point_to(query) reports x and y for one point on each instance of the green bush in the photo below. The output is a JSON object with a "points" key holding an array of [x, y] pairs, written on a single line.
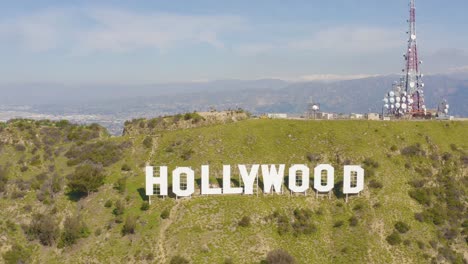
{"points": [[338, 223], [3, 179], [245, 221], [145, 206], [402, 227], [279, 256], [422, 196], [119, 208], [126, 167], [44, 228], [121, 185], [86, 178], [148, 142], [179, 260], [129, 225], [394, 239], [108, 204], [165, 214], [353, 221], [74, 228], [17, 255]]}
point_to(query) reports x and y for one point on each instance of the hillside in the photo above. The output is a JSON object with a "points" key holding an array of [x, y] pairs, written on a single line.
{"points": [[73, 194]]}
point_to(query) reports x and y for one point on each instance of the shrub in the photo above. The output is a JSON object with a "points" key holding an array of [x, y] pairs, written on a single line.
{"points": [[44, 228], [179, 260], [402, 227], [145, 206], [108, 204], [3, 179], [375, 184], [105, 153], [279, 256], [16, 255], [129, 225], [187, 154], [126, 167], [413, 150], [338, 224], [303, 222], [422, 196], [119, 208], [121, 184], [148, 142], [369, 162], [86, 178], [393, 148], [245, 221], [165, 214], [353, 221], [313, 157], [20, 147], [394, 239], [73, 229]]}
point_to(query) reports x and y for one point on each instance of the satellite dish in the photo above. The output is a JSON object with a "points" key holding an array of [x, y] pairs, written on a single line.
{"points": [[403, 99], [398, 99], [386, 106], [391, 94], [397, 105], [392, 106], [385, 100], [424, 107], [412, 84], [413, 37], [422, 84], [404, 106], [447, 106], [446, 111], [392, 100]]}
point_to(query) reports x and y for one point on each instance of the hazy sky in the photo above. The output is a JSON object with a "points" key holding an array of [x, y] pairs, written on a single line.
{"points": [[142, 41]]}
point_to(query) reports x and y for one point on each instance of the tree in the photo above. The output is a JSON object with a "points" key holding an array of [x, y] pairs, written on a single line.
{"points": [[279, 256], [86, 178]]}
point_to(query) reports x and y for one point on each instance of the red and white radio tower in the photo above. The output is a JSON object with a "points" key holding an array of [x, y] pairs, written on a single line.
{"points": [[407, 96]]}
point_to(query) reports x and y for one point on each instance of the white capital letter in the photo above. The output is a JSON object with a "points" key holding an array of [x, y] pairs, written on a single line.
{"points": [[205, 182], [272, 177], [249, 177], [227, 189], [318, 177], [151, 180], [347, 188], [305, 178], [176, 188]]}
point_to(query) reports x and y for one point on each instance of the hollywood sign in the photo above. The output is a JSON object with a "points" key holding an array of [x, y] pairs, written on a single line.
{"points": [[183, 179]]}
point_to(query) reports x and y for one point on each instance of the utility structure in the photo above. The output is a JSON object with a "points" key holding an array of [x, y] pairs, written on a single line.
{"points": [[406, 99]]}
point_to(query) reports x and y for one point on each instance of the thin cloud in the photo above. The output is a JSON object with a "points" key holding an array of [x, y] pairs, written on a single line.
{"points": [[350, 39], [85, 31]]}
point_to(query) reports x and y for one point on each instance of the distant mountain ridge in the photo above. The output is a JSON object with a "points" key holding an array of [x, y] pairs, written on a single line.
{"points": [[257, 96]]}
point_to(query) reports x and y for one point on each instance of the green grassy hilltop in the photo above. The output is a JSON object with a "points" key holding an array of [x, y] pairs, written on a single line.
{"points": [[74, 194]]}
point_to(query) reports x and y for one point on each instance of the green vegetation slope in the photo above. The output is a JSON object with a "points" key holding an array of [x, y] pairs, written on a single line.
{"points": [[72, 194]]}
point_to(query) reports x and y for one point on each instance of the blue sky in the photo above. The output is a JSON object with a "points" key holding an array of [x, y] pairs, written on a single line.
{"points": [[143, 41]]}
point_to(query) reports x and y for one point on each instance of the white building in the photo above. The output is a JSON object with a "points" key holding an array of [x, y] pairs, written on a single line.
{"points": [[277, 116]]}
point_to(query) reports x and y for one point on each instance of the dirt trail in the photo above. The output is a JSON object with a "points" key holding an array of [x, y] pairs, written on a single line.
{"points": [[153, 150], [162, 255]]}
